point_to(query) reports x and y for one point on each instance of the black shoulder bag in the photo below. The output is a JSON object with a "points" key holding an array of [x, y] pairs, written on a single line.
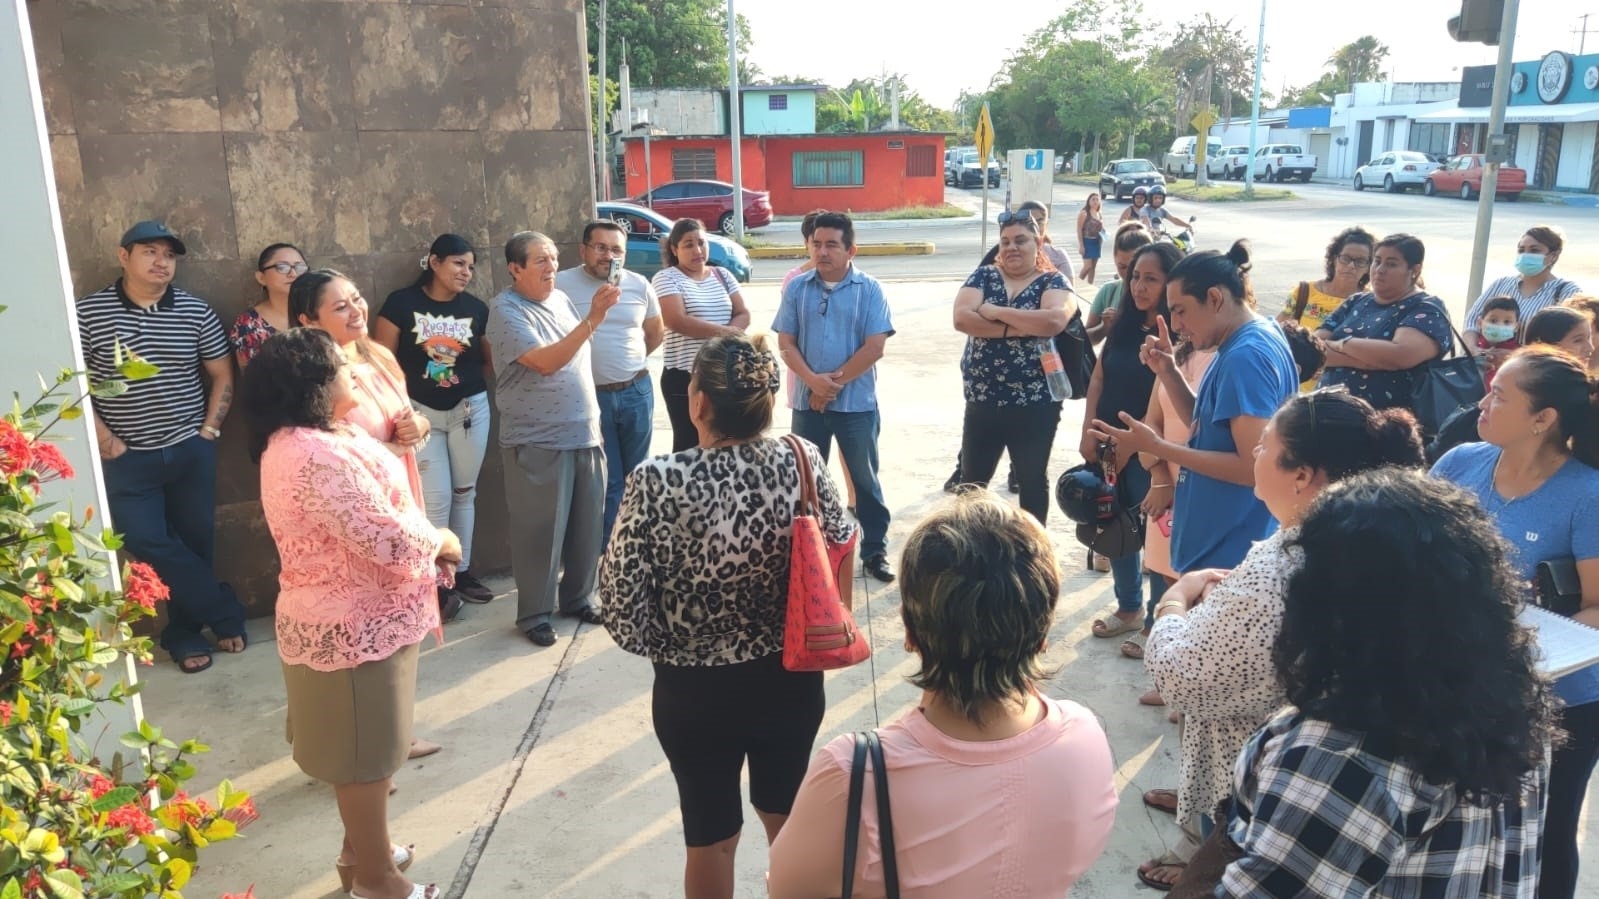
{"points": [[867, 742], [1442, 386], [1076, 354]]}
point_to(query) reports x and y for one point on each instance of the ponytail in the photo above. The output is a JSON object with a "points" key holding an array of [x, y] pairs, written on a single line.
{"points": [[1554, 379], [1341, 435], [1201, 271]]}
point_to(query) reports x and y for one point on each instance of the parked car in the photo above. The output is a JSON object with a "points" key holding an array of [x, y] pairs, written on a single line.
{"points": [[1121, 176], [1462, 176], [1228, 163], [967, 171], [646, 227], [1279, 162], [1179, 160], [1396, 171], [709, 201]]}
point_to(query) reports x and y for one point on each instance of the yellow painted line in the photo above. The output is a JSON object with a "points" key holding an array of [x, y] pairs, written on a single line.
{"points": [[903, 248]]}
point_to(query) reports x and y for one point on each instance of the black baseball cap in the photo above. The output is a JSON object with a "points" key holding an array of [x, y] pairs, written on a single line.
{"points": [[150, 232]]}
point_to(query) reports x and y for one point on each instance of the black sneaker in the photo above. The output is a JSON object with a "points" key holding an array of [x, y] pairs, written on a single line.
{"points": [[449, 605], [472, 589], [542, 634], [878, 566]]}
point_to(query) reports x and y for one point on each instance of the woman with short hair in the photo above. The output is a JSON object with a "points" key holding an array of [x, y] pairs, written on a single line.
{"points": [[435, 330], [1346, 268], [1413, 758], [1537, 474], [985, 752], [695, 578], [1377, 342], [355, 598], [699, 301]]}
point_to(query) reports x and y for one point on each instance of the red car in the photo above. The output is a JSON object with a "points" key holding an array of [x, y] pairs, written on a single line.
{"points": [[1462, 177], [709, 201]]}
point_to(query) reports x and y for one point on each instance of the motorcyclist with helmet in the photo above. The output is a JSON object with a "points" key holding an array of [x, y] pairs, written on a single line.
{"points": [[1135, 212], [1156, 215]]}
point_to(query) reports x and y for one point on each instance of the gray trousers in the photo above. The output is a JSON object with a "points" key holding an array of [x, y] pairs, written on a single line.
{"points": [[556, 500]]}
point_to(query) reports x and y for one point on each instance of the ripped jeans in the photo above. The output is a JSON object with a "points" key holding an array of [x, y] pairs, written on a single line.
{"points": [[449, 466]]}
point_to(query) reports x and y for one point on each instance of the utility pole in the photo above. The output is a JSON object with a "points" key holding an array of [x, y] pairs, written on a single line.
{"points": [[1254, 108], [604, 184], [1496, 135], [734, 107], [1582, 39]]}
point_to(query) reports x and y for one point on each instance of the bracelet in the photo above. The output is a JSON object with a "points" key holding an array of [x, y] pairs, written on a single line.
{"points": [[1164, 604], [1006, 332], [214, 432], [1153, 486], [591, 327]]}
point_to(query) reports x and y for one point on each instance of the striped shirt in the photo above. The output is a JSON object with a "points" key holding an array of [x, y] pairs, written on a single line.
{"points": [[710, 299], [1553, 291], [177, 335]]}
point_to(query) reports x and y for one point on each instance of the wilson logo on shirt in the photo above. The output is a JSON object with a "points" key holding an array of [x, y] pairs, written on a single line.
{"points": [[1532, 536]]}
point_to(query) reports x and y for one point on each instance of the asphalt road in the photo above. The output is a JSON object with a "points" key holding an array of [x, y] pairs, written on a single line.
{"points": [[1289, 236]]}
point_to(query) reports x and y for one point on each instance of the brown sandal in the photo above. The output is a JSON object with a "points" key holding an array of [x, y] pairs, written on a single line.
{"points": [[1161, 800]]}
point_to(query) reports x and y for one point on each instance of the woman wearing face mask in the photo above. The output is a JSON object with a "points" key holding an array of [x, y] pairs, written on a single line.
{"points": [[1534, 285]]}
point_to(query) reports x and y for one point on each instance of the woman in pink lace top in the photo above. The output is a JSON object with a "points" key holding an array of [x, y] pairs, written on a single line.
{"points": [[356, 593]]}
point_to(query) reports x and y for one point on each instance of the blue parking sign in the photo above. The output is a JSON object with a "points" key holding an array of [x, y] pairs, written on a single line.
{"points": [[1034, 161]]}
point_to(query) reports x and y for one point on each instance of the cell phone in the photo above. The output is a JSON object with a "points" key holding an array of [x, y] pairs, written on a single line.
{"points": [[615, 274], [1163, 521]]}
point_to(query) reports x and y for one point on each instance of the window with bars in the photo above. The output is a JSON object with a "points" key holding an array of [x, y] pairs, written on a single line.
{"points": [[777, 102], [836, 168], [922, 162], [693, 164]]}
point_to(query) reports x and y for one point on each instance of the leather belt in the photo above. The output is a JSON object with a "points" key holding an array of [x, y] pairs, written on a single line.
{"points": [[621, 385]]}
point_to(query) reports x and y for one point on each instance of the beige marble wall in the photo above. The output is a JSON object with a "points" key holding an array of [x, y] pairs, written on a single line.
{"points": [[357, 130]]}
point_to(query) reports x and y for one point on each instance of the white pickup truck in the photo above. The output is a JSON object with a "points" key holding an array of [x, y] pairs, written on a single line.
{"points": [[1279, 162]]}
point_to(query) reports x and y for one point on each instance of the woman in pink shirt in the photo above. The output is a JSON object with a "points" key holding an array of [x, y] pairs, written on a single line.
{"points": [[355, 599], [996, 790]]}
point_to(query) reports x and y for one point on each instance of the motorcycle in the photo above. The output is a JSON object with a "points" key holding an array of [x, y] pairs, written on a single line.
{"points": [[1183, 240]]}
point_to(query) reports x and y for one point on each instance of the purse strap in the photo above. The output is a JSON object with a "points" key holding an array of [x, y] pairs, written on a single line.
{"points": [[867, 742], [885, 821], [852, 818], [808, 504]]}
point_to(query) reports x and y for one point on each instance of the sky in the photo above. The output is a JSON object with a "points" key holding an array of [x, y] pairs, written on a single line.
{"points": [[943, 47]]}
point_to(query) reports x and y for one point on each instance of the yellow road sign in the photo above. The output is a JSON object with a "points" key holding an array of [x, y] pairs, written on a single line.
{"points": [[985, 135], [1202, 124]]}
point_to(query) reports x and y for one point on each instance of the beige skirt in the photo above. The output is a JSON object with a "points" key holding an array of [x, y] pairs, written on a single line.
{"points": [[352, 725]]}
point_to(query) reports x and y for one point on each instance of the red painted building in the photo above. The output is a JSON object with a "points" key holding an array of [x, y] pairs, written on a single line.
{"points": [[855, 172]]}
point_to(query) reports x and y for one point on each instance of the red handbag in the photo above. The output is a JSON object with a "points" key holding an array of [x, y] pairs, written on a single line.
{"points": [[819, 633]]}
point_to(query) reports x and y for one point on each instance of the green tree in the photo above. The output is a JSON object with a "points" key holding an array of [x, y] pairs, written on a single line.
{"points": [[1213, 65], [1359, 60], [670, 43]]}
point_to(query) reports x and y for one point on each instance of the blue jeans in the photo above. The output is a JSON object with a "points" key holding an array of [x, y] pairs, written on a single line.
{"points": [[856, 433], [626, 418], [1127, 572], [164, 503]]}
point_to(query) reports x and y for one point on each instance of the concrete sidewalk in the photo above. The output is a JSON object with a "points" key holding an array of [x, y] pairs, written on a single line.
{"points": [[551, 782]]}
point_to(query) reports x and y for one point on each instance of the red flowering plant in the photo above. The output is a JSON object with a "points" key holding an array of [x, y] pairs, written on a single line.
{"points": [[74, 825]]}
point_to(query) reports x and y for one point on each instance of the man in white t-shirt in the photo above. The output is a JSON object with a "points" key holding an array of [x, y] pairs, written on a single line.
{"points": [[630, 332]]}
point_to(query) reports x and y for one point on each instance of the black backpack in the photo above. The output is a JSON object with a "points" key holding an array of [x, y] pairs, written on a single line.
{"points": [[1076, 354]]}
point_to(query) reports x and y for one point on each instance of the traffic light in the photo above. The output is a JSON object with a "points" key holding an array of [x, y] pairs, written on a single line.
{"points": [[1478, 21]]}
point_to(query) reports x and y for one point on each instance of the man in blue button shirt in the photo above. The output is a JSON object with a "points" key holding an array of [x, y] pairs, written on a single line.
{"points": [[832, 326]]}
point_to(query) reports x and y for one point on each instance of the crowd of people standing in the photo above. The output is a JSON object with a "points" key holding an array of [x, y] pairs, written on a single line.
{"points": [[1327, 734]]}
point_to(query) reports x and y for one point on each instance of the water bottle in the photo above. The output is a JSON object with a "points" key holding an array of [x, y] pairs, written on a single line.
{"points": [[1060, 387]]}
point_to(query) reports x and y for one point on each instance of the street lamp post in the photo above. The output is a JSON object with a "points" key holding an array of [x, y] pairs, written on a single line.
{"points": [[1254, 107], [1497, 145], [735, 107]]}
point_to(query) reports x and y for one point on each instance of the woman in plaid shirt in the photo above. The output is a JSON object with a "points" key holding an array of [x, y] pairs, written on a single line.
{"points": [[1414, 759]]}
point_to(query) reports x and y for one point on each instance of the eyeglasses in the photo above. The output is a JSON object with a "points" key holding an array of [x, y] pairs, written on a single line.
{"points": [[607, 249], [1354, 261], [288, 268], [827, 297]]}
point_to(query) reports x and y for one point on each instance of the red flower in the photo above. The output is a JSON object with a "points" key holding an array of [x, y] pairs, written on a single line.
{"points": [[132, 819], [242, 814], [16, 451], [100, 785], [6, 711], [49, 462], [144, 586], [20, 649], [247, 894]]}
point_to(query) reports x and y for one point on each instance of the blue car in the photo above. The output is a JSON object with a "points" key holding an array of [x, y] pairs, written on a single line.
{"points": [[645, 227]]}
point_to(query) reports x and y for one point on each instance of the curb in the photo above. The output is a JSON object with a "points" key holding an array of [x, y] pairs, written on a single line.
{"points": [[902, 248]]}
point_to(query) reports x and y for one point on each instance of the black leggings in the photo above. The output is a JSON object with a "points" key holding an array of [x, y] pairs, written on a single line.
{"points": [[674, 391], [1568, 785], [1028, 432], [710, 719]]}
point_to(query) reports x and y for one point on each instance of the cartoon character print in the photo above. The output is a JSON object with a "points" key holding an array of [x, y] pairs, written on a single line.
{"points": [[443, 338]]}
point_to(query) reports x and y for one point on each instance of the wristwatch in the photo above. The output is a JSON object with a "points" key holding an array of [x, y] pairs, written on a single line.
{"points": [[215, 433]]}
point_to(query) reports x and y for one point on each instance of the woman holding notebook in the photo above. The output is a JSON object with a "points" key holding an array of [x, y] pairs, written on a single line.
{"points": [[1537, 474]]}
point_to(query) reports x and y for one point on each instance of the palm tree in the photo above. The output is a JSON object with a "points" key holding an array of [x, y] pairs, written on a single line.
{"points": [[1359, 61], [1140, 100]]}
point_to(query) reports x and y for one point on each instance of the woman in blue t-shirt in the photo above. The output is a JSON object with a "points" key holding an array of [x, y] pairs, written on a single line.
{"points": [[1215, 515], [1123, 384], [1537, 474]]}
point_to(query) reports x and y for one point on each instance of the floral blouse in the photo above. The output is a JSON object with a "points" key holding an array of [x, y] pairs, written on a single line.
{"points": [[359, 556], [1214, 665], [1361, 316], [1006, 371], [696, 571], [249, 331]]}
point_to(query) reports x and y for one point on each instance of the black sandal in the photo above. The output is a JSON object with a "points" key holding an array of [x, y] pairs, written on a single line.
{"points": [[186, 669]]}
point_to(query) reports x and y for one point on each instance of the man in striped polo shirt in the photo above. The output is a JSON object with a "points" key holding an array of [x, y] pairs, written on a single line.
{"points": [[157, 440]]}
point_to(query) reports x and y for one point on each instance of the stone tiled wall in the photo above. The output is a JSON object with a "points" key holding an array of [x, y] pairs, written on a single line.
{"points": [[356, 130]]}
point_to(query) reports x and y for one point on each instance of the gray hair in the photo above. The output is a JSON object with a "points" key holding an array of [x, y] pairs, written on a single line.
{"points": [[516, 247]]}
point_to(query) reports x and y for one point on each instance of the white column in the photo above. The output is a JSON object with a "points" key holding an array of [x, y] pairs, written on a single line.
{"points": [[42, 311]]}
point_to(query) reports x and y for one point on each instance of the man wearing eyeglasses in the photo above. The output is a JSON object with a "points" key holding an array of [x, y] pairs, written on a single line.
{"points": [[832, 325], [630, 332], [157, 438]]}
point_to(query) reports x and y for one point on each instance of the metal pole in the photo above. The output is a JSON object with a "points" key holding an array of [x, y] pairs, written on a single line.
{"points": [[1254, 106], [649, 169], [605, 174], [1490, 173], [735, 106]]}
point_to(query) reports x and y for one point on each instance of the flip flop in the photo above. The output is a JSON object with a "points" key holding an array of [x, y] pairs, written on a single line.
{"points": [[1106, 628], [1132, 650], [1165, 860], [1161, 800], [195, 669], [1151, 698]]}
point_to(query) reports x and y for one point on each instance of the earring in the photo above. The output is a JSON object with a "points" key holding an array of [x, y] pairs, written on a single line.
{"points": [[1296, 490], [1537, 432]]}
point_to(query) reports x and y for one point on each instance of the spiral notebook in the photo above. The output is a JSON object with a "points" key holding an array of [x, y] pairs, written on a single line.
{"points": [[1564, 645]]}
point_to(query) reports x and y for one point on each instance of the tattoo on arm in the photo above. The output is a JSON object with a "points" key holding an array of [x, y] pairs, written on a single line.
{"points": [[224, 402]]}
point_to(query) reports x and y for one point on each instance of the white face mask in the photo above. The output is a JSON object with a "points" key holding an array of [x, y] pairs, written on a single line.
{"points": [[1498, 333]]}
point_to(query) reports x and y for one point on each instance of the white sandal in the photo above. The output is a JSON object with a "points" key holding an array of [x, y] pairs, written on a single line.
{"points": [[418, 891], [403, 857]]}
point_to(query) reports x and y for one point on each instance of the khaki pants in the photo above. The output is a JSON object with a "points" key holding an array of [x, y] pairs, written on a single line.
{"points": [[556, 500]]}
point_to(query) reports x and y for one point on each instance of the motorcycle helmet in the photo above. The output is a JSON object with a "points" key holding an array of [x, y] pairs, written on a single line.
{"points": [[1158, 190], [1084, 495], [1140, 191]]}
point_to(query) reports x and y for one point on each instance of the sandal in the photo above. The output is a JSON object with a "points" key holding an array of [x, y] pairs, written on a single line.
{"points": [[418, 891], [1151, 698], [1105, 628], [1146, 871], [1161, 800], [186, 668], [243, 644], [1132, 650], [403, 857]]}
